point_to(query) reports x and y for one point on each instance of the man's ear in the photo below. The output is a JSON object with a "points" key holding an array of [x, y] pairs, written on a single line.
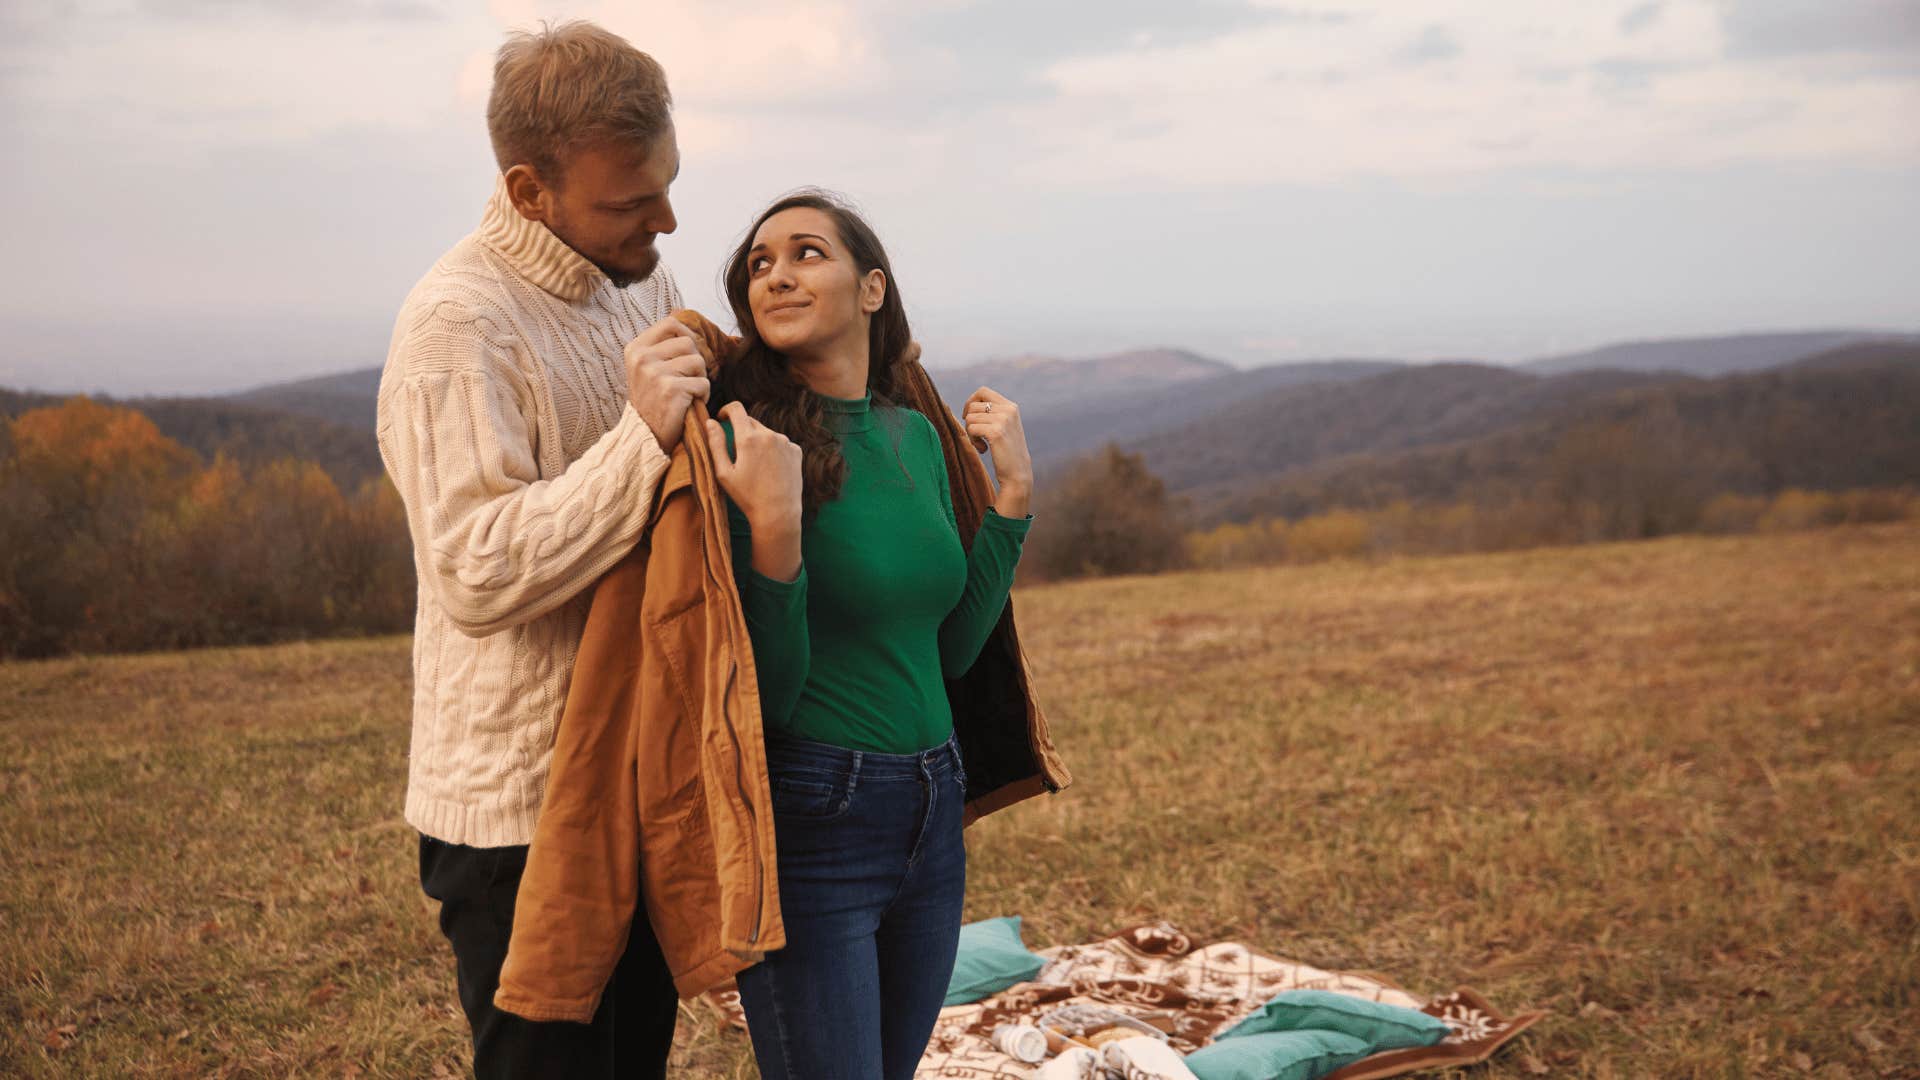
{"points": [[529, 194], [873, 290]]}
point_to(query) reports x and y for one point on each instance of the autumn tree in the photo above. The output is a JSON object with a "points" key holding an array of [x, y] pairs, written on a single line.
{"points": [[80, 484], [1106, 514]]}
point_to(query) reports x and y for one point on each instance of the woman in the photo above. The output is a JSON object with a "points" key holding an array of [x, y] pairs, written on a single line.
{"points": [[860, 602]]}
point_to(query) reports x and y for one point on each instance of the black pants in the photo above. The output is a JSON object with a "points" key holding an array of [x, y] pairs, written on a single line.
{"points": [[630, 1033]]}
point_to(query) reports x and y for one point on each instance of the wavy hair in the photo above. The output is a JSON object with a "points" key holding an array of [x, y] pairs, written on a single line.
{"points": [[763, 380]]}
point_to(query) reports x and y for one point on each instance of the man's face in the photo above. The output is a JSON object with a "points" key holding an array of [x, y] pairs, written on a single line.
{"points": [[611, 202]]}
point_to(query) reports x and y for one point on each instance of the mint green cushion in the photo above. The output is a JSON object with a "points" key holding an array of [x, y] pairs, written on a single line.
{"points": [[1379, 1025], [1276, 1055], [991, 958]]}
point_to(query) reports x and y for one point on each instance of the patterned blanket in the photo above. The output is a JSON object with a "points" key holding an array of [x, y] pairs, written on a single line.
{"points": [[1155, 973]]}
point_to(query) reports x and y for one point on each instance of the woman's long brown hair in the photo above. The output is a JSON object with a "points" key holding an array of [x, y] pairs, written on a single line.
{"points": [[761, 378]]}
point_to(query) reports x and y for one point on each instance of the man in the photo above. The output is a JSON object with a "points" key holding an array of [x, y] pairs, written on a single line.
{"points": [[533, 392]]}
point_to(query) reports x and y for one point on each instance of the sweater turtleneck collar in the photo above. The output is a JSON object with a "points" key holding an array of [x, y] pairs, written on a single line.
{"points": [[532, 249], [846, 415]]}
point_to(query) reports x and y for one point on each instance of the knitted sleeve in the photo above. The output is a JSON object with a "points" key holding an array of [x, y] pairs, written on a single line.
{"points": [[496, 543]]}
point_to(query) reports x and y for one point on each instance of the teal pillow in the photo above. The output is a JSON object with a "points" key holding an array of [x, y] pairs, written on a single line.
{"points": [[1276, 1055], [991, 958], [1379, 1025]]}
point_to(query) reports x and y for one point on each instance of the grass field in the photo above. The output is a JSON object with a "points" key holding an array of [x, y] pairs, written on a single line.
{"points": [[1668, 790]]}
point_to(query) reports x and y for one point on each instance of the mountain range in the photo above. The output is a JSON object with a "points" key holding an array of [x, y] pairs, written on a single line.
{"points": [[1287, 438]]}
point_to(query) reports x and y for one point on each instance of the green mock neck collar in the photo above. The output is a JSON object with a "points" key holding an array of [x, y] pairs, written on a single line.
{"points": [[846, 415]]}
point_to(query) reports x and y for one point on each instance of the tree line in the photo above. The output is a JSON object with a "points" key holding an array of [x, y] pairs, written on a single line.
{"points": [[114, 537]]}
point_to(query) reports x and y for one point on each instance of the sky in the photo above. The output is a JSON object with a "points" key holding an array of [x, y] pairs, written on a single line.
{"points": [[207, 195]]}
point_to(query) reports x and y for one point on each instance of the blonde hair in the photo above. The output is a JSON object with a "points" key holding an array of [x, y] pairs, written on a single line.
{"points": [[571, 85]]}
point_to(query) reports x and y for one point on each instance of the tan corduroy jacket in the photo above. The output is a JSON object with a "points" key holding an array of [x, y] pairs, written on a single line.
{"points": [[658, 791]]}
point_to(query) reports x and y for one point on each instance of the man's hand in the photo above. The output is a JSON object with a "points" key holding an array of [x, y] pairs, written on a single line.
{"points": [[665, 373]]}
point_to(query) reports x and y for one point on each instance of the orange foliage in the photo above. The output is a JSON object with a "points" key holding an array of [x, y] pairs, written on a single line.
{"points": [[99, 444]]}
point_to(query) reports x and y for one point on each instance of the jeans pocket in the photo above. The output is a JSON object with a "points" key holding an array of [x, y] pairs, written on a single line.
{"points": [[809, 798]]}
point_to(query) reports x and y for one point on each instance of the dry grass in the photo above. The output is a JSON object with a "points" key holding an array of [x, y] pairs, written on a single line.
{"points": [[1669, 790]]}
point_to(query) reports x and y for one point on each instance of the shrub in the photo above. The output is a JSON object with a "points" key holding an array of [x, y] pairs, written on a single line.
{"points": [[1107, 514]]}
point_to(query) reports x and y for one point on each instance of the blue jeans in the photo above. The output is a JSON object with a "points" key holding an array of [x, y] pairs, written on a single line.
{"points": [[873, 878]]}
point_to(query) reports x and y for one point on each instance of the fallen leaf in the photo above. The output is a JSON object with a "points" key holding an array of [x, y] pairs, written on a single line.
{"points": [[366, 886], [1868, 1041], [1534, 1065], [59, 1037], [1799, 1060], [322, 994]]}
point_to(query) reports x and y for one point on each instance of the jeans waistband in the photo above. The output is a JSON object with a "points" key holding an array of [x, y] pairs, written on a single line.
{"points": [[795, 752]]}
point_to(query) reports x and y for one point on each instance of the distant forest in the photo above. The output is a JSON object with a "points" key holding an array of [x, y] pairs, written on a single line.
{"points": [[249, 434], [166, 523]]}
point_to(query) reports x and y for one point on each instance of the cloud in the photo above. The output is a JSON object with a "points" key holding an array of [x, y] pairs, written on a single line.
{"points": [[1639, 18], [218, 154], [1434, 42], [299, 11], [184, 77], [1565, 88], [735, 55], [1777, 28]]}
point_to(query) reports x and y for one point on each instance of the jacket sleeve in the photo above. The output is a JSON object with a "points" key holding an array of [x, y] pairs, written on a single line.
{"points": [[776, 613], [497, 544], [580, 885], [990, 565]]}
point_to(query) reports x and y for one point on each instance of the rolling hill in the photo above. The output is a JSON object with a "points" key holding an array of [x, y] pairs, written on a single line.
{"points": [[1842, 419], [1290, 438], [346, 398], [1708, 356]]}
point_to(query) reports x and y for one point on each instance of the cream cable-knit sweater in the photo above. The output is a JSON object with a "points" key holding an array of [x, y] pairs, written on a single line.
{"points": [[504, 422]]}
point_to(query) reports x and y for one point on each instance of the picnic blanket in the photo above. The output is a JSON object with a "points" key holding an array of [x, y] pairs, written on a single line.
{"points": [[1157, 974]]}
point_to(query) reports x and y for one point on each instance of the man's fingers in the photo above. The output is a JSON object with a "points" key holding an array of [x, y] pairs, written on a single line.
{"points": [[696, 387], [668, 327], [687, 364], [674, 350]]}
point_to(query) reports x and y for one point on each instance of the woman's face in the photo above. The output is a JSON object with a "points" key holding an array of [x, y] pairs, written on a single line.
{"points": [[806, 294]]}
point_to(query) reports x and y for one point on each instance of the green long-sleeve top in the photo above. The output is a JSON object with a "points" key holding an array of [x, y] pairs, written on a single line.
{"points": [[888, 604]]}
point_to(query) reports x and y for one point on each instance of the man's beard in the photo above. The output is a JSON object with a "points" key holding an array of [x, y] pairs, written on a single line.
{"points": [[621, 278]]}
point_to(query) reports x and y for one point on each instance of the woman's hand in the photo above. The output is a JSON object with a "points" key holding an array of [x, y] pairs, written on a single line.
{"points": [[763, 480], [993, 423]]}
